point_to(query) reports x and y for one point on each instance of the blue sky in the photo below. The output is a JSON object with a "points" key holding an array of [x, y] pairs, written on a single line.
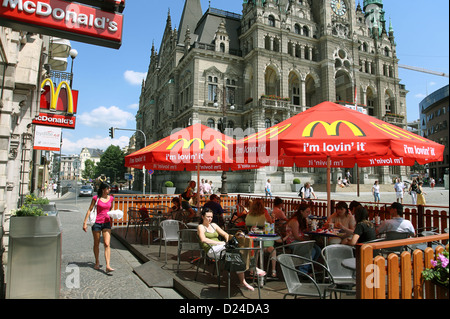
{"points": [[110, 80]]}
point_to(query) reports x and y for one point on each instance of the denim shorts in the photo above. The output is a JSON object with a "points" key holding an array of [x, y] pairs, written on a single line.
{"points": [[100, 227]]}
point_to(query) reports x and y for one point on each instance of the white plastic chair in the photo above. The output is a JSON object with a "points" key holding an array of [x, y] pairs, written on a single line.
{"points": [[169, 233]]}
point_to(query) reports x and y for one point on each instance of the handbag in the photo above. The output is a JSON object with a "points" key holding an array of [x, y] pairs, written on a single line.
{"points": [[233, 261], [93, 215]]}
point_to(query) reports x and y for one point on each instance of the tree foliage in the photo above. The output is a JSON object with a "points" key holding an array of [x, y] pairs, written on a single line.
{"points": [[89, 170], [112, 164]]}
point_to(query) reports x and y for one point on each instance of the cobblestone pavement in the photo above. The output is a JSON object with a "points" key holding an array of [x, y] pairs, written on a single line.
{"points": [[79, 280]]}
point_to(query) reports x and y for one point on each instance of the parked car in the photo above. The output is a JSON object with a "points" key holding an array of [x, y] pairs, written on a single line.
{"points": [[86, 190]]}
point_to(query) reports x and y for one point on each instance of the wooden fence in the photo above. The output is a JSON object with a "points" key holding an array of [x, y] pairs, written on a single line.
{"points": [[397, 277]]}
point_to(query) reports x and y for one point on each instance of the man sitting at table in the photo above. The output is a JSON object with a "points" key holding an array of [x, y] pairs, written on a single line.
{"points": [[397, 223], [214, 205]]}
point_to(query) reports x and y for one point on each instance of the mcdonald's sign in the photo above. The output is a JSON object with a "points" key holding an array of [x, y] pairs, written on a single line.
{"points": [[58, 105], [332, 129], [187, 143]]}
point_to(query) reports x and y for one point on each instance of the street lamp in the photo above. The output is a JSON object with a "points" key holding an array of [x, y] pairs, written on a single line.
{"points": [[73, 54], [222, 128]]}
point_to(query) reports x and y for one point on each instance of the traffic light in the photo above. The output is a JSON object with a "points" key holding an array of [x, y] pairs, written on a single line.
{"points": [[111, 132]]}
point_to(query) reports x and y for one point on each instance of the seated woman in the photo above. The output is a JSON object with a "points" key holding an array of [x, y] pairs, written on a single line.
{"points": [[176, 211], [208, 233], [280, 216], [342, 220], [238, 218], [364, 230], [296, 228], [258, 216]]}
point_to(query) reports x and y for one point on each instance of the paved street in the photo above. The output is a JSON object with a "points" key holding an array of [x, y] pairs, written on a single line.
{"points": [[79, 280]]}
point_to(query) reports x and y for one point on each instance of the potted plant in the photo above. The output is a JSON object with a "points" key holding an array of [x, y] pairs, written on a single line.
{"points": [[296, 185], [438, 273], [169, 188], [34, 239]]}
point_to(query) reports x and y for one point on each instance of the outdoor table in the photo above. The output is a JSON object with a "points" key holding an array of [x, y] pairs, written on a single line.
{"points": [[262, 238], [192, 225], [327, 234]]}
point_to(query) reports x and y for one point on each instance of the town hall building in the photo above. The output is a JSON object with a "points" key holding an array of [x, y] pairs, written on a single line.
{"points": [[257, 68]]}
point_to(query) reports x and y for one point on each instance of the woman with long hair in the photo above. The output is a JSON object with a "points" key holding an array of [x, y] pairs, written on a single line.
{"points": [[258, 216], [208, 233], [102, 224], [364, 229]]}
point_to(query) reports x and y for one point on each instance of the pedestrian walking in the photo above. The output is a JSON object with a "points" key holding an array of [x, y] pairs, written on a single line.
{"points": [[268, 189], [413, 191], [102, 226], [376, 192], [399, 188], [55, 187], [420, 195]]}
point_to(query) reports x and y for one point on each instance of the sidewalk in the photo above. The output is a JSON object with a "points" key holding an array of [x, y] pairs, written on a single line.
{"points": [[79, 280]]}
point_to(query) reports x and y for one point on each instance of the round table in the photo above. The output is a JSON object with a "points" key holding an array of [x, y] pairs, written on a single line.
{"points": [[261, 239], [349, 263]]}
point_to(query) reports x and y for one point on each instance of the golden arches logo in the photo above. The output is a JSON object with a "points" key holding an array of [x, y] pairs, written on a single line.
{"points": [[187, 143], [270, 133], [151, 147], [332, 129], [224, 143], [397, 132], [54, 95]]}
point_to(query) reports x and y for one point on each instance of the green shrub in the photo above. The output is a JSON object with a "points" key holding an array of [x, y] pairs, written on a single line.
{"points": [[28, 211], [296, 181], [168, 184]]}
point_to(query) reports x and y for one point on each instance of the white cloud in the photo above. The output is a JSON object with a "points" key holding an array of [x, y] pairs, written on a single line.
{"points": [[420, 96], [74, 147], [133, 106], [106, 117], [432, 83], [134, 78]]}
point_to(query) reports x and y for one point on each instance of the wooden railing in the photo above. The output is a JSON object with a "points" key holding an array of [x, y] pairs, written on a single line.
{"points": [[397, 277]]}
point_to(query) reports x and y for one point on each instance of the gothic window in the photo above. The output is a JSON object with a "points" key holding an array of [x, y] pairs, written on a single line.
{"points": [[267, 123], [305, 31], [222, 47], [212, 88], [276, 45], [271, 21], [365, 47], [211, 123], [298, 51], [267, 43], [386, 51], [290, 49], [297, 29]]}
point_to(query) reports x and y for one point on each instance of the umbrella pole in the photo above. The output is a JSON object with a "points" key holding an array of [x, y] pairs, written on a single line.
{"points": [[328, 186], [198, 188], [357, 177]]}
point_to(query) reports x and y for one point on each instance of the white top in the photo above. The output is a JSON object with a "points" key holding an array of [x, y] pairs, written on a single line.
{"points": [[307, 192], [268, 186], [376, 188], [399, 187], [397, 224]]}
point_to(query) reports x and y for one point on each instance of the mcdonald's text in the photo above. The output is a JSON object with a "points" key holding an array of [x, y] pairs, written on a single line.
{"points": [[55, 120]]}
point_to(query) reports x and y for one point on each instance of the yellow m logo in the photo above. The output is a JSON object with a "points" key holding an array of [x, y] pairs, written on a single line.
{"points": [[332, 129], [187, 144], [54, 95], [397, 132], [269, 133]]}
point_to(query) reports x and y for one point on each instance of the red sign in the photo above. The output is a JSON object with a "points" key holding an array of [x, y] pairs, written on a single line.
{"points": [[73, 21], [50, 119], [58, 99]]}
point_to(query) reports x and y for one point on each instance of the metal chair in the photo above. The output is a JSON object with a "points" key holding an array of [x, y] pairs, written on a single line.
{"points": [[134, 218], [169, 233], [152, 224], [310, 288], [393, 235], [424, 232], [333, 256], [204, 257], [188, 240], [300, 248]]}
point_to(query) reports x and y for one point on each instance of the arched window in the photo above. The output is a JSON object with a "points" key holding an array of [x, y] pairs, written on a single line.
{"points": [[305, 31], [211, 123], [276, 45], [267, 123], [222, 47], [297, 29], [271, 21], [267, 43]]}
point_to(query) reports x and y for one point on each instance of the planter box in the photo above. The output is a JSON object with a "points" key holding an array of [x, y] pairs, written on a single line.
{"points": [[296, 187], [169, 190], [34, 258]]}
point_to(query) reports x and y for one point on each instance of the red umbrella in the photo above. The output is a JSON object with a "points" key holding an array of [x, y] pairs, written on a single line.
{"points": [[331, 135], [195, 148]]}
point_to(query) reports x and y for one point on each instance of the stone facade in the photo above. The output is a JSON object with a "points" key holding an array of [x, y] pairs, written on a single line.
{"points": [[256, 69]]}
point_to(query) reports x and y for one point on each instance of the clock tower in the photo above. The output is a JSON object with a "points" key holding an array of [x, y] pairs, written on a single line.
{"points": [[374, 15]]}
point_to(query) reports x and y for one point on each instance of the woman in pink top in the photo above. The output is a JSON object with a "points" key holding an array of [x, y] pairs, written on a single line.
{"points": [[102, 224]]}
